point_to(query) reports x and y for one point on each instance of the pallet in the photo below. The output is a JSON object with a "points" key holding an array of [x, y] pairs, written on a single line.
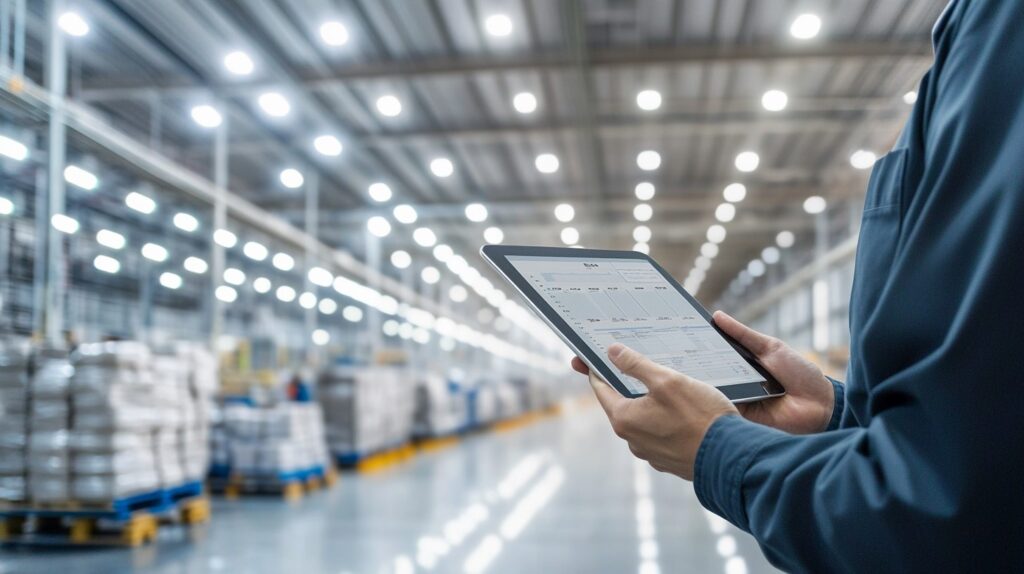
{"points": [[129, 521], [378, 460], [291, 485]]}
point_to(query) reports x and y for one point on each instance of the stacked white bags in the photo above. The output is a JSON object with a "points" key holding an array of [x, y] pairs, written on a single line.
{"points": [[48, 460], [201, 383], [115, 419], [366, 409], [269, 442], [438, 411], [14, 381]]}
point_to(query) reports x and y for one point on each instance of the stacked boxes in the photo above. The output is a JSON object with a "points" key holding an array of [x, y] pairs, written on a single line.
{"points": [[271, 442], [14, 408], [366, 409], [49, 419], [438, 410]]}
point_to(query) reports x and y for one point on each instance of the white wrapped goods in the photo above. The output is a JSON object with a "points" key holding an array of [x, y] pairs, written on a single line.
{"points": [[12, 487], [366, 409], [48, 489], [12, 460], [285, 438], [438, 410], [106, 487]]}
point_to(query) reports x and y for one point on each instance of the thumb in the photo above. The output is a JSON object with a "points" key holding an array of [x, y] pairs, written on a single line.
{"points": [[638, 366], [754, 341]]}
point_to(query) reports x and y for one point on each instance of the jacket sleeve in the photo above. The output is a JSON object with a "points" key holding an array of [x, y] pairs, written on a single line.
{"points": [[931, 481]]}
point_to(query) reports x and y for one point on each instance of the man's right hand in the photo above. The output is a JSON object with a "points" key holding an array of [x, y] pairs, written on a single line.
{"points": [[807, 405]]}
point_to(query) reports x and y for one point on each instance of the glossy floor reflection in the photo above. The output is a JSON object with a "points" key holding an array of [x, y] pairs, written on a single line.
{"points": [[562, 495]]}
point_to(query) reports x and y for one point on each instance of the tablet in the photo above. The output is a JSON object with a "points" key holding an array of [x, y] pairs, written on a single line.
{"points": [[593, 298]]}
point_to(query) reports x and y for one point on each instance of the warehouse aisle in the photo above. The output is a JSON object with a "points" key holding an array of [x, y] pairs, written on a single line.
{"points": [[561, 495]]}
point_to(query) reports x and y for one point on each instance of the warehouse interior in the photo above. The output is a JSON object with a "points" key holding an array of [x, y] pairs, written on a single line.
{"points": [[244, 313]]}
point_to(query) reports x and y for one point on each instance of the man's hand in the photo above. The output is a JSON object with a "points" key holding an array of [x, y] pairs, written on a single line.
{"points": [[807, 406], [666, 426]]}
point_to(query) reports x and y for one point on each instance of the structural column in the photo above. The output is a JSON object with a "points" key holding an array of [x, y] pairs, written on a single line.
{"points": [[220, 221], [56, 257], [310, 256]]}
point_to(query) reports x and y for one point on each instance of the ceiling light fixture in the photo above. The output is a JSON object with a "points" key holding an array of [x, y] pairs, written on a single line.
{"points": [[805, 26], [815, 204], [274, 104], [334, 33], [442, 167], [494, 235], [648, 100], [546, 163], [498, 25], [524, 102], [642, 234], [863, 159], [405, 213], [643, 212], [648, 160], [644, 191], [379, 192], [734, 192], [785, 239], [389, 105], [185, 222], [141, 203], [378, 226], [725, 212], [328, 145], [291, 178], [239, 63], [80, 178], [476, 212], [401, 259], [73, 24], [774, 100], [747, 161], [206, 116], [564, 212]]}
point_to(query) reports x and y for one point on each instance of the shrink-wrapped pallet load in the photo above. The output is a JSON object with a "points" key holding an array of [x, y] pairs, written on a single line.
{"points": [[366, 409], [271, 441], [14, 408], [48, 462], [438, 410]]}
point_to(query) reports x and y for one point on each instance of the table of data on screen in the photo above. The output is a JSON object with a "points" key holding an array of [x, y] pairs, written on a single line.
{"points": [[629, 302]]}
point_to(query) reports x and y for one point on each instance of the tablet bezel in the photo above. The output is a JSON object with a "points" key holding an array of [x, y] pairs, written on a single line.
{"points": [[497, 256]]}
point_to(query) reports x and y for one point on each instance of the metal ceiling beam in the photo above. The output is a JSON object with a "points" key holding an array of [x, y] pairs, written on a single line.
{"points": [[678, 199], [633, 57]]}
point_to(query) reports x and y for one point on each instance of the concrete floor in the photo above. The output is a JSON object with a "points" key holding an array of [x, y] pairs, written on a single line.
{"points": [[562, 495]]}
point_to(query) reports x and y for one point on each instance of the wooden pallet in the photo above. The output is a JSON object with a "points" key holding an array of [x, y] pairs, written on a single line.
{"points": [[130, 521], [290, 485]]}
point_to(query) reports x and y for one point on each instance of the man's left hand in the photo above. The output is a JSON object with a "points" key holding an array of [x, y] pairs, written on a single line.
{"points": [[666, 426]]}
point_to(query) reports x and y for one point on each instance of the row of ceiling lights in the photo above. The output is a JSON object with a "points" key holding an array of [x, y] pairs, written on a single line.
{"points": [[234, 277]]}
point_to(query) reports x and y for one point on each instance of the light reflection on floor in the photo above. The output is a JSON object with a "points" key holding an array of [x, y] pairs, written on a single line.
{"points": [[562, 495]]}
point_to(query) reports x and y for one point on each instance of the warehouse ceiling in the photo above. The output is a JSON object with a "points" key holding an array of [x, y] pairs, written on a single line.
{"points": [[455, 72]]}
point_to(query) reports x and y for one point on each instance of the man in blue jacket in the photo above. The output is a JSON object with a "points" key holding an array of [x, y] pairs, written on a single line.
{"points": [[916, 464]]}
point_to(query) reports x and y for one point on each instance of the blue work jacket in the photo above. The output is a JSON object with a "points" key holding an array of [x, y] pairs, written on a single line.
{"points": [[922, 467]]}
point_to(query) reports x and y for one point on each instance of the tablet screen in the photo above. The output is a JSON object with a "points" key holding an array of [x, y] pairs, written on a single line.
{"points": [[628, 301]]}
